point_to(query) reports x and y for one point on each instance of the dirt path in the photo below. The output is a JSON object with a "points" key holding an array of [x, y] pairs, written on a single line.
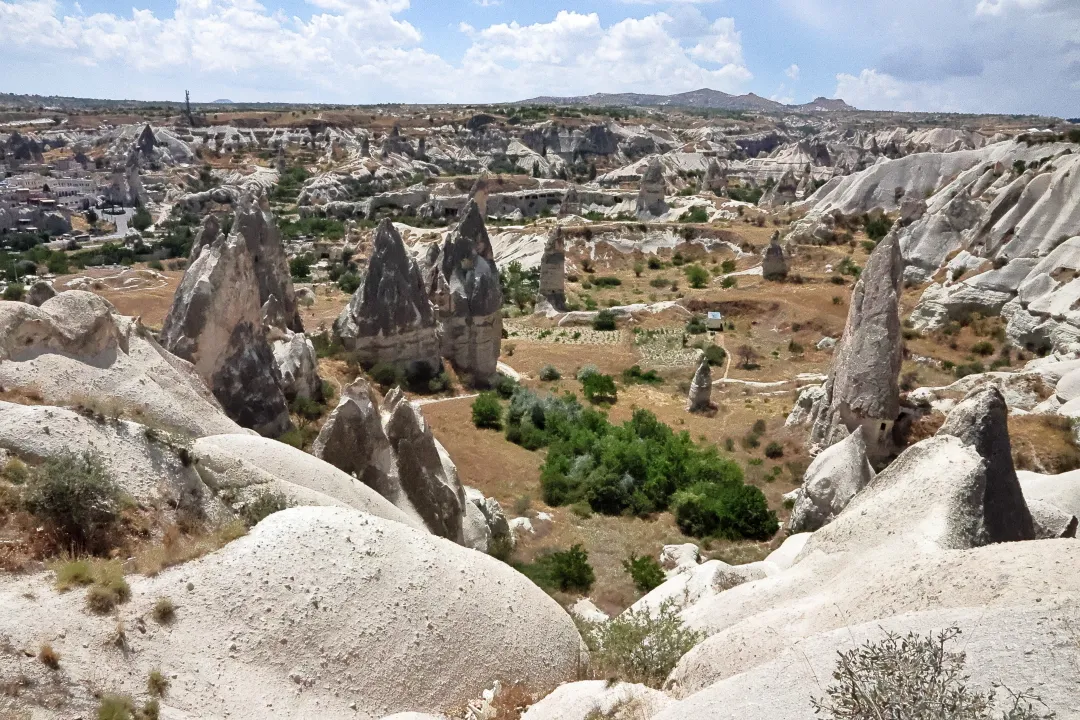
{"points": [[727, 356], [435, 401]]}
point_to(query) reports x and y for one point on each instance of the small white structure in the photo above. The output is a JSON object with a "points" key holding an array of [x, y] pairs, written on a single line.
{"points": [[714, 321]]}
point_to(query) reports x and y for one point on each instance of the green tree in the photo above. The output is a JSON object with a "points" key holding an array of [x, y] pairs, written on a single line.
{"points": [[697, 275], [486, 411], [141, 219]]}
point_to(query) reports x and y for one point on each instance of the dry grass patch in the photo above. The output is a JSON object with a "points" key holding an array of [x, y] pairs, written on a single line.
{"points": [[49, 657], [164, 611], [1043, 443], [178, 546]]}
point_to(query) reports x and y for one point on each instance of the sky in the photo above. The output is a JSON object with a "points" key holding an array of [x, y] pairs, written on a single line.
{"points": [[1005, 56]]}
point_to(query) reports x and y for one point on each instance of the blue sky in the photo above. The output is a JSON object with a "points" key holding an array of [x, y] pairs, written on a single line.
{"points": [[952, 55]]}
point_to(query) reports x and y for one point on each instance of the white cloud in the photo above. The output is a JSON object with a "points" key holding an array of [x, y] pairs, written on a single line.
{"points": [[997, 7], [793, 72], [356, 51], [487, 3]]}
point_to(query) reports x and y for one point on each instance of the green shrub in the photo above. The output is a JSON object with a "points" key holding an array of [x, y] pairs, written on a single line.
{"points": [[759, 426], [155, 265], [716, 355], [567, 570], [76, 496], [164, 610], [634, 375], [728, 266], [109, 589], [599, 388], [654, 262], [486, 411], [116, 707], [640, 646], [549, 373], [157, 684], [972, 368], [878, 228], [983, 348], [141, 220], [697, 276], [730, 511], [659, 282], [14, 292], [307, 408], [645, 572], [504, 386], [605, 281], [729, 282], [697, 214], [15, 471], [915, 678], [774, 450], [604, 320], [349, 282], [264, 504], [387, 375], [696, 325]]}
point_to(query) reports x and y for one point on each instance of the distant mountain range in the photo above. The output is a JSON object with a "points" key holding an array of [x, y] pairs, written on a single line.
{"points": [[704, 99]]}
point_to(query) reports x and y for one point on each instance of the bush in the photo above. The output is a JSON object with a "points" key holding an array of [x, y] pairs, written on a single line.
{"points": [[599, 388], [759, 426], [349, 282], [659, 282], [387, 375], [914, 678], [567, 570], [697, 276], [155, 265], [729, 282], [633, 375], [49, 657], [730, 511], [109, 589], [15, 292], [265, 504], [640, 646], [486, 411], [164, 611], [157, 684], [141, 220], [549, 373], [76, 496], [878, 228], [654, 262], [585, 371], [604, 320], [300, 267], [606, 281], [728, 266], [983, 348], [116, 707], [639, 267], [697, 214], [504, 386], [696, 326], [716, 355], [645, 572], [774, 450]]}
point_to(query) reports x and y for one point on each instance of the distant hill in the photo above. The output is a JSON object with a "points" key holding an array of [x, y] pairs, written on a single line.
{"points": [[704, 98]]}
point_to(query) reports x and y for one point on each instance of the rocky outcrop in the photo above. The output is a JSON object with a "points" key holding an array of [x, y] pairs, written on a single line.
{"points": [[715, 179], [782, 193], [834, 477], [470, 311], [255, 224], [774, 265], [427, 475], [294, 354], [700, 396], [981, 420], [650, 199], [1050, 521], [390, 318], [863, 386], [552, 291], [77, 350], [215, 323], [571, 204], [39, 292]]}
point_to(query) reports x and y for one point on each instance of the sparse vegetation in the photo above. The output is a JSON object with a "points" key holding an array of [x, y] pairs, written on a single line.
{"points": [[640, 646], [645, 571], [915, 678], [157, 684], [635, 375], [263, 505], [164, 611], [109, 587], [604, 320], [487, 411], [566, 570], [49, 657], [697, 276], [76, 497], [549, 373]]}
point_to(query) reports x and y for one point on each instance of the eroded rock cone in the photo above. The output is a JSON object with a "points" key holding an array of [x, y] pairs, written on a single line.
{"points": [[981, 420], [255, 223], [215, 323], [571, 204], [353, 440], [863, 388], [716, 178], [833, 478], [552, 292], [700, 396], [650, 200], [390, 318], [774, 264], [472, 316], [427, 476]]}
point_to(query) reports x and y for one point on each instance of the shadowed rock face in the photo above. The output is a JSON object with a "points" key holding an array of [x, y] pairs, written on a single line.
{"points": [[774, 265], [553, 273], [390, 318], [863, 387], [716, 178], [981, 420], [650, 200], [700, 396], [215, 323], [832, 480], [39, 292], [472, 313]]}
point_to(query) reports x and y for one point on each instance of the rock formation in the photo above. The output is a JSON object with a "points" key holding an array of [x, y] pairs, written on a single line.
{"points": [[552, 291], [39, 292], [650, 199], [834, 477], [782, 193], [471, 315], [863, 386], [254, 223], [715, 179], [215, 323], [700, 396], [571, 204], [390, 318], [981, 420], [774, 264]]}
